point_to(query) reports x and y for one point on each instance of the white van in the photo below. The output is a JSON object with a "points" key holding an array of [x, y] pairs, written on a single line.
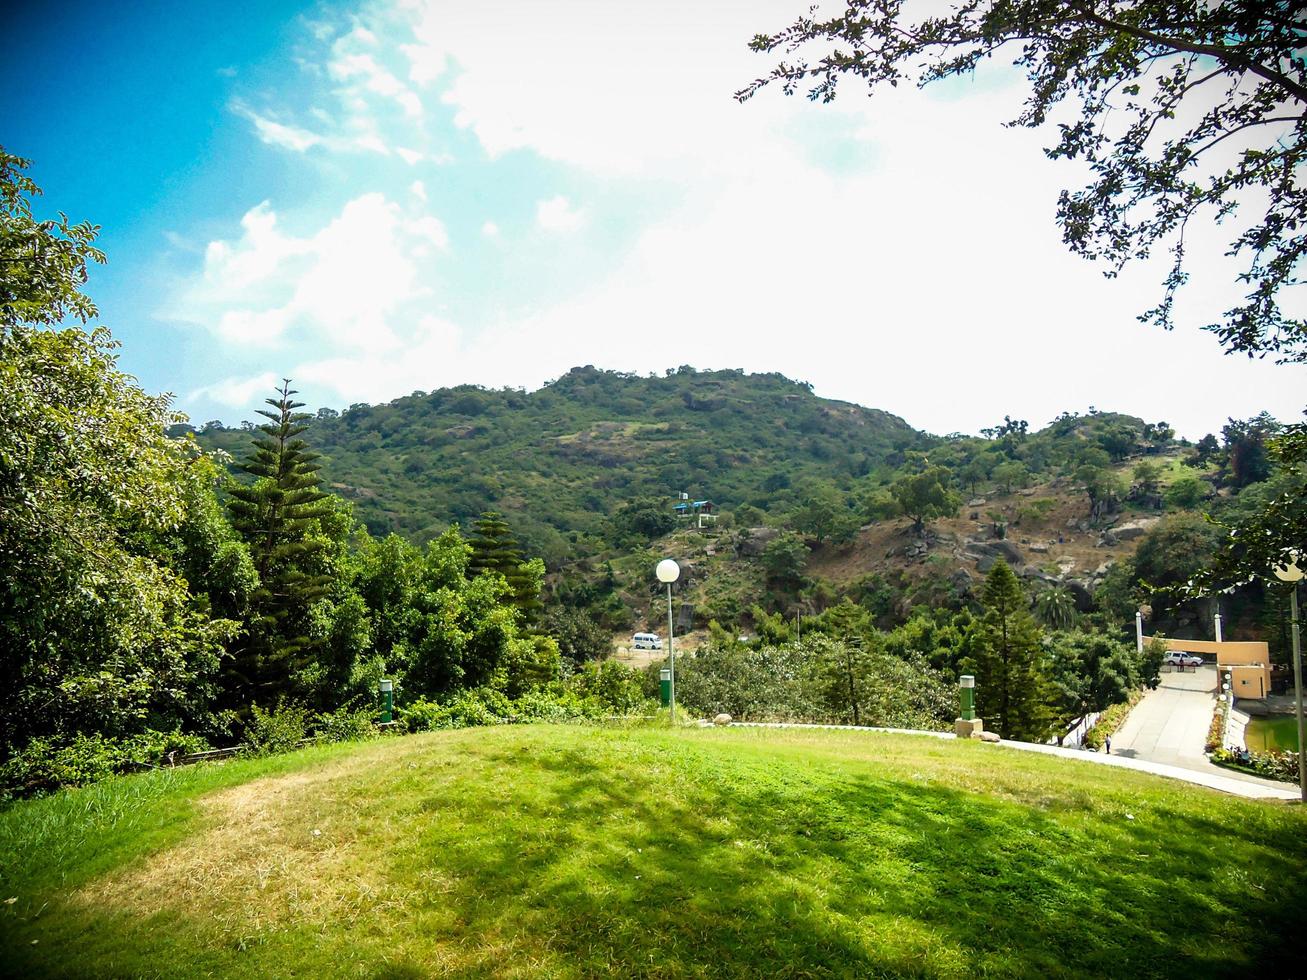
{"points": [[646, 641]]}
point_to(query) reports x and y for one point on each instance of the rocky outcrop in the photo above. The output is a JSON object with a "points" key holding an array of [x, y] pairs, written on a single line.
{"points": [[754, 540], [1004, 549], [1134, 529]]}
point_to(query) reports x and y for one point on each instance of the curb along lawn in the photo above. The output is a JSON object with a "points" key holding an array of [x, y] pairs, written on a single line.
{"points": [[567, 851]]}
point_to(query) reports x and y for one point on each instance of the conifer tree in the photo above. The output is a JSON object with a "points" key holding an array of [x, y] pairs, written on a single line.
{"points": [[277, 516], [1012, 691], [494, 549]]}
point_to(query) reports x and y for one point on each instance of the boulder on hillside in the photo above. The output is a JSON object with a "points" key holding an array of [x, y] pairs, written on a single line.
{"points": [[1080, 592], [1001, 548], [1035, 575], [1134, 529], [754, 540]]}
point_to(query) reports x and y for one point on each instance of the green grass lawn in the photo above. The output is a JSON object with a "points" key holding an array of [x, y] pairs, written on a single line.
{"points": [[568, 851]]}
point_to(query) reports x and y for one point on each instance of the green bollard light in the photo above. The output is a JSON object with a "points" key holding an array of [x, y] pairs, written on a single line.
{"points": [[387, 699], [967, 690], [665, 686]]}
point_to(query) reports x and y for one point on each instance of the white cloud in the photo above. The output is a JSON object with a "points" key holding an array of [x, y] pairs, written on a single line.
{"points": [[236, 392], [279, 134], [362, 69], [341, 285], [410, 157], [418, 190], [557, 214], [490, 229]]}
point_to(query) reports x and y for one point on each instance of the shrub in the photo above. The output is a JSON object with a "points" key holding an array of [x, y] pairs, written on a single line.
{"points": [[277, 730], [346, 724], [466, 709], [810, 682], [1110, 720], [1216, 731], [613, 687], [1273, 765], [46, 764]]}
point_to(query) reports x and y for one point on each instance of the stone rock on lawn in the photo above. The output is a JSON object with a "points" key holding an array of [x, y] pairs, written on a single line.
{"points": [[990, 737], [722, 719]]}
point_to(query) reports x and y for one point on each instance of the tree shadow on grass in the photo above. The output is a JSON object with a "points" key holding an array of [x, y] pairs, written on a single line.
{"points": [[837, 875]]}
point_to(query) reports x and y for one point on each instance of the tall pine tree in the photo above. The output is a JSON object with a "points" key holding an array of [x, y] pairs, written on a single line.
{"points": [[494, 549], [1012, 691], [278, 516]]}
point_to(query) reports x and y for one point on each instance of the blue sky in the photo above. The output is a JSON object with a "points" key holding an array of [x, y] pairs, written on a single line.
{"points": [[380, 197]]}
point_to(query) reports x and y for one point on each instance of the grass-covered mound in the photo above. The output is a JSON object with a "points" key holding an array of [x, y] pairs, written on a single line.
{"points": [[552, 850]]}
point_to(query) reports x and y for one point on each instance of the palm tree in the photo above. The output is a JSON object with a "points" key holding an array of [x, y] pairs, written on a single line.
{"points": [[1056, 608]]}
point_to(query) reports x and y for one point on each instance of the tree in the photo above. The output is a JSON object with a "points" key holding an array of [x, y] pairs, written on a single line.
{"points": [[1012, 691], [1266, 534], [824, 514], [972, 473], [1056, 607], [1206, 449], [279, 515], [42, 263], [783, 559], [101, 513], [496, 551], [1102, 487], [926, 496], [1186, 113], [1246, 457], [1011, 474], [1089, 672], [1147, 478], [1185, 492], [640, 521], [579, 637]]}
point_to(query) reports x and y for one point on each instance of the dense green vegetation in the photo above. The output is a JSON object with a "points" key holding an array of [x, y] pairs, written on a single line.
{"points": [[569, 851], [558, 462]]}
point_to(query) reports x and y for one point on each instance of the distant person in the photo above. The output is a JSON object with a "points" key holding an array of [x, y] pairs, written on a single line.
{"points": [[1107, 742]]}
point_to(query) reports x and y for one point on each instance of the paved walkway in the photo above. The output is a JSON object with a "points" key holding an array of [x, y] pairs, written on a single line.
{"points": [[1213, 777], [1169, 726]]}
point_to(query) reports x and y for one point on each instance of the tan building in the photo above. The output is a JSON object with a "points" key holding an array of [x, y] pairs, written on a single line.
{"points": [[1248, 663]]}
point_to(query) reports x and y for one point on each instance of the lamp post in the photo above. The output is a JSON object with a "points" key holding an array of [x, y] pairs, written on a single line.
{"points": [[668, 572], [1291, 573]]}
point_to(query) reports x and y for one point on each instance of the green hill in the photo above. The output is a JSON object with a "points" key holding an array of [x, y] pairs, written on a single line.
{"points": [[563, 851], [558, 460]]}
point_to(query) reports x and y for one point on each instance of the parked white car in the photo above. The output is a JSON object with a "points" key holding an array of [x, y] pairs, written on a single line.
{"points": [[1176, 658]]}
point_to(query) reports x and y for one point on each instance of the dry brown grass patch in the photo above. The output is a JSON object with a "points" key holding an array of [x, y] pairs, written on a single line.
{"points": [[273, 852]]}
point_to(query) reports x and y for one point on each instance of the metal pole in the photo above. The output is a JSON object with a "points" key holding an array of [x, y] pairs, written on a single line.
{"points": [[671, 651], [1139, 632], [1297, 689]]}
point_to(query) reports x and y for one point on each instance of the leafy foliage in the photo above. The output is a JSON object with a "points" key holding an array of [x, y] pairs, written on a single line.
{"points": [[1159, 89], [100, 516], [1011, 686], [925, 496], [279, 517], [561, 464]]}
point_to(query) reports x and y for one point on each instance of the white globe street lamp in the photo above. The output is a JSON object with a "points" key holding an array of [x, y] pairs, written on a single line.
{"points": [[668, 572], [1290, 572]]}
